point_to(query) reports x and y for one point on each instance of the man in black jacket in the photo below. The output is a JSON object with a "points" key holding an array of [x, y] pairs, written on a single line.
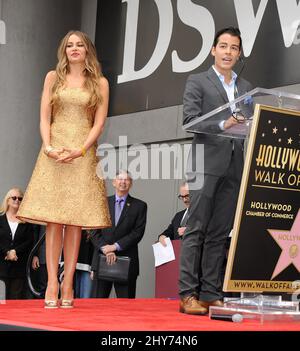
{"points": [[128, 216], [213, 201], [177, 226]]}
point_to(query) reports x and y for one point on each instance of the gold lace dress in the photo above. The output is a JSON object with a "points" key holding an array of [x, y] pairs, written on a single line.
{"points": [[70, 194]]}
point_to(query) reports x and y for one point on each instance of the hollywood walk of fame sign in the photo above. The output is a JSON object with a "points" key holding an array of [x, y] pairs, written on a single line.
{"points": [[264, 254]]}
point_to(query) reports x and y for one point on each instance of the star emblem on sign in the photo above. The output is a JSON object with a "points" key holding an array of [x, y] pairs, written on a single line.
{"points": [[289, 242]]}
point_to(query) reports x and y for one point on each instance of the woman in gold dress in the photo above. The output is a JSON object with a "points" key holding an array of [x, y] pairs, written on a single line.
{"points": [[65, 192]]}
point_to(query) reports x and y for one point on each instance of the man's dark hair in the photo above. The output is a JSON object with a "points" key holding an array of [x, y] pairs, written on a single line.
{"points": [[234, 31]]}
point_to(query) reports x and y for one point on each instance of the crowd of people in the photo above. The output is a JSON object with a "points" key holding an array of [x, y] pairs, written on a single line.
{"points": [[121, 239]]}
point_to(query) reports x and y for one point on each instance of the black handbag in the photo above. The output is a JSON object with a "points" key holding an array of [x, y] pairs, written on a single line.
{"points": [[116, 272]]}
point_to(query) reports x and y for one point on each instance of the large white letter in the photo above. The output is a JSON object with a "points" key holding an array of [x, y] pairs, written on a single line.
{"points": [[201, 19], [165, 12], [289, 15], [249, 22]]}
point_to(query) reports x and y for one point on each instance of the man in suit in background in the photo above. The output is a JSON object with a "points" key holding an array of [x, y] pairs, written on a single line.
{"points": [[213, 202], [177, 226], [128, 226]]}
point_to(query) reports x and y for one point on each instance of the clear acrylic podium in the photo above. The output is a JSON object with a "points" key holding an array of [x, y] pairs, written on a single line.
{"points": [[249, 306], [243, 106]]}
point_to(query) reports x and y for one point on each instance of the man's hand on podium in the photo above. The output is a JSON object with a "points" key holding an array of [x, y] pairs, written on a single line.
{"points": [[232, 121]]}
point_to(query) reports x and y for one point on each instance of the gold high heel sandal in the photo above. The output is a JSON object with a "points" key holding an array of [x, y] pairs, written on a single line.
{"points": [[67, 303], [50, 304]]}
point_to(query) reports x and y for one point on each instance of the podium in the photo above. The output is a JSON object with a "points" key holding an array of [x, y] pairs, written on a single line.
{"points": [[244, 106], [167, 275], [264, 254]]}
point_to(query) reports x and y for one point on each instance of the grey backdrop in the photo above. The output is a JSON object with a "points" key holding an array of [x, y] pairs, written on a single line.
{"points": [[34, 28]]}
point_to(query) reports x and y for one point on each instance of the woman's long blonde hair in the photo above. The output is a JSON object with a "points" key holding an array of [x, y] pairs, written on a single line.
{"points": [[92, 70], [4, 205]]}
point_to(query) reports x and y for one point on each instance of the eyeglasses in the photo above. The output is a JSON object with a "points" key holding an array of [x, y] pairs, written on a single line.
{"points": [[14, 198], [181, 197]]}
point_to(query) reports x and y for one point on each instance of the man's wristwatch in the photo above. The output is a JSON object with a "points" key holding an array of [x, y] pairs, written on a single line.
{"points": [[238, 116]]}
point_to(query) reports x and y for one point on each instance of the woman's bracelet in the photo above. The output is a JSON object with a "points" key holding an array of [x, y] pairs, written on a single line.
{"points": [[48, 149], [83, 151]]}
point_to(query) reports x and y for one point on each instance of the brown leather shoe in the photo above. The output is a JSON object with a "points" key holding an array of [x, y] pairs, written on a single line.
{"points": [[216, 303], [190, 305]]}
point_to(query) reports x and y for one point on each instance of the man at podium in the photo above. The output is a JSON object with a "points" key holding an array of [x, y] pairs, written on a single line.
{"points": [[213, 203]]}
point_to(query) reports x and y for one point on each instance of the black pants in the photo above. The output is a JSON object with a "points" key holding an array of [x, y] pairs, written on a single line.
{"points": [[211, 215], [123, 290]]}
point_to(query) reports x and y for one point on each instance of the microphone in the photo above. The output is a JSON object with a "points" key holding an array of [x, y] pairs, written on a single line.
{"points": [[239, 106], [236, 318]]}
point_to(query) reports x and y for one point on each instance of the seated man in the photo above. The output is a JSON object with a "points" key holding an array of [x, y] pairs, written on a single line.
{"points": [[177, 227]]}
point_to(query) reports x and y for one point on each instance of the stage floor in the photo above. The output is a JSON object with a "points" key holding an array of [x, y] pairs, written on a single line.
{"points": [[119, 315]]}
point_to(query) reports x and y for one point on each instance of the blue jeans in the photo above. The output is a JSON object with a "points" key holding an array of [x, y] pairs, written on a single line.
{"points": [[83, 284]]}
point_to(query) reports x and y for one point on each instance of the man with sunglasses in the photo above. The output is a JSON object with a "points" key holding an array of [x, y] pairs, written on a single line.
{"points": [[213, 202], [177, 226]]}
